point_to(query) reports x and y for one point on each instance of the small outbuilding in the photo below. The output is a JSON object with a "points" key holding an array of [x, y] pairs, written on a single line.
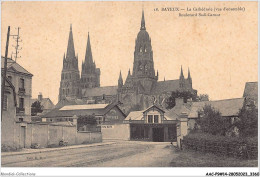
{"points": [[151, 124]]}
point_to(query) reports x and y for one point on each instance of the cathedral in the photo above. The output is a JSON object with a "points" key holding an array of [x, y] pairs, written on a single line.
{"points": [[140, 90]]}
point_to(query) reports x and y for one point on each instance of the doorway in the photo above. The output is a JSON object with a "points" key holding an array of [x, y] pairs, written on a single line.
{"points": [[158, 134], [22, 137]]}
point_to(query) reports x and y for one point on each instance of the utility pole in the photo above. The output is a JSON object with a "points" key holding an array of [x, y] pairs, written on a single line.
{"points": [[17, 37], [4, 74]]}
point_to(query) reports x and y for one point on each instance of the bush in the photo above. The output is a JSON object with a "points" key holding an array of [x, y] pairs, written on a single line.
{"points": [[63, 143], [212, 122], [236, 147], [35, 146], [5, 148]]}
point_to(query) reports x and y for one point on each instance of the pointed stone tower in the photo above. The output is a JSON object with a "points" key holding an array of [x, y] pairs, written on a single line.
{"points": [[120, 80], [181, 80], [70, 81], [90, 75], [143, 70], [189, 79]]}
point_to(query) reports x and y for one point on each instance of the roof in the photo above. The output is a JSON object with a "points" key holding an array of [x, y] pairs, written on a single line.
{"points": [[80, 110], [45, 102], [138, 115], [68, 101], [166, 86], [176, 111], [135, 115], [154, 106], [99, 91], [14, 66], [83, 107], [228, 107], [251, 90]]}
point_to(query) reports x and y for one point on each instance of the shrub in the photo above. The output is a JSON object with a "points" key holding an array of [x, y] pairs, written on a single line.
{"points": [[63, 143], [237, 147], [212, 122], [35, 146], [6, 148]]}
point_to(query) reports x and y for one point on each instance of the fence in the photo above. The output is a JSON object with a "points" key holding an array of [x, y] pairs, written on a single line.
{"points": [[237, 148]]}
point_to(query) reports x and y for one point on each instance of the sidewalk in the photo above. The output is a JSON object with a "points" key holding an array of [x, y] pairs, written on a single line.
{"points": [[32, 151]]}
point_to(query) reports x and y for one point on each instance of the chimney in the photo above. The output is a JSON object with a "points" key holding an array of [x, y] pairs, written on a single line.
{"points": [[40, 96], [179, 101]]}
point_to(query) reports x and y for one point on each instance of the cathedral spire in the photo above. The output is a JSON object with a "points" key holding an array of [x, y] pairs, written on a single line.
{"points": [[120, 80], [70, 48], [182, 76], [189, 77], [143, 21], [88, 56]]}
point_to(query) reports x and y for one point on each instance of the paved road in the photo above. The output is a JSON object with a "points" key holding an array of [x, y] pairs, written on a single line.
{"points": [[117, 154]]}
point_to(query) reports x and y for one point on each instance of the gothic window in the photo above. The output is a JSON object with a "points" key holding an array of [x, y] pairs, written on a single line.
{"points": [[141, 50], [63, 91], [144, 48], [141, 67]]}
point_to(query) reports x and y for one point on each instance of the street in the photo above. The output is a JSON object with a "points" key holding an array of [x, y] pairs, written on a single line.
{"points": [[112, 154]]}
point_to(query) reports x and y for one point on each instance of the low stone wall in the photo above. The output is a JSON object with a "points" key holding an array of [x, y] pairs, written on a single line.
{"points": [[116, 131], [48, 135]]}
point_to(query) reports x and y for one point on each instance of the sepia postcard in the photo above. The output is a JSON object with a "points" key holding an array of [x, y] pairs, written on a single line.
{"points": [[97, 84]]}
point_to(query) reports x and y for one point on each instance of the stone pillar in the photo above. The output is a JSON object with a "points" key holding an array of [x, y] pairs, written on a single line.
{"points": [[182, 128]]}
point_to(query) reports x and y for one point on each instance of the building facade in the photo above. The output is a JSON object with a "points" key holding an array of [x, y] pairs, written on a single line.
{"points": [[141, 87], [152, 125], [22, 82]]}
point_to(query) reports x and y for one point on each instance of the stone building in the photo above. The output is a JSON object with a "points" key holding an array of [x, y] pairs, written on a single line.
{"points": [[141, 88], [22, 82]]}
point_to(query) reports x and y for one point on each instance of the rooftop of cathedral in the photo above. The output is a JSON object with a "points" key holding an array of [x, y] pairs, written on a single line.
{"points": [[99, 91]]}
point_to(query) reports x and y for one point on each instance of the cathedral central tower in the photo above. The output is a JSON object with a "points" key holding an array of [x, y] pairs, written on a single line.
{"points": [[143, 54]]}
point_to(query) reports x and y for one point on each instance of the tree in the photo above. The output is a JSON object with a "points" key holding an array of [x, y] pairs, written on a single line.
{"points": [[86, 120], [211, 121], [203, 97], [36, 108], [179, 94], [248, 121]]}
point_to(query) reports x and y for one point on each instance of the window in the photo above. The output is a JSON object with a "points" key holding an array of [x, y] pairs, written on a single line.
{"points": [[22, 83], [10, 78], [5, 103], [21, 102], [156, 119], [20, 119], [150, 119]]}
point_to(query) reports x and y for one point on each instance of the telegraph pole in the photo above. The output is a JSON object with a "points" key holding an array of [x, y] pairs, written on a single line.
{"points": [[5, 68], [17, 37]]}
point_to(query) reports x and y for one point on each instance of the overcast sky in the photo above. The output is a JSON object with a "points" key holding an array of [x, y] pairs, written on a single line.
{"points": [[221, 52]]}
